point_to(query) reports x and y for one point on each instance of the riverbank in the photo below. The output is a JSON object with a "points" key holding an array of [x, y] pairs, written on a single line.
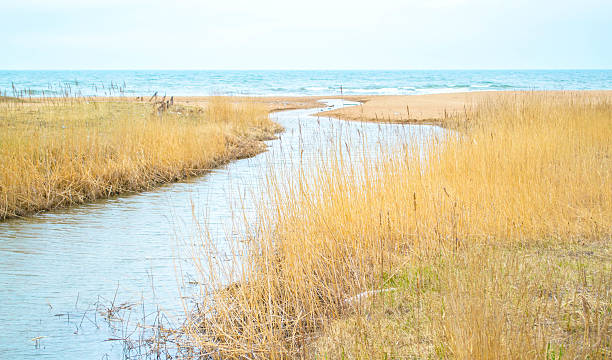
{"points": [[489, 244], [57, 153], [61, 152]]}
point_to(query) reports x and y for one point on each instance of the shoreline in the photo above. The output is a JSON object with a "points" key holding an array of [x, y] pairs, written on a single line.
{"points": [[421, 107]]}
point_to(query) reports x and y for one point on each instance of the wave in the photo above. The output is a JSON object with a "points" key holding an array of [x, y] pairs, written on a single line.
{"points": [[298, 83]]}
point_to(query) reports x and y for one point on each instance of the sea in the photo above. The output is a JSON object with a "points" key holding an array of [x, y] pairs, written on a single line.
{"points": [[28, 83]]}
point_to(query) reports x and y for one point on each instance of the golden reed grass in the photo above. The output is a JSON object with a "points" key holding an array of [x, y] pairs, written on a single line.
{"points": [[59, 152], [492, 242]]}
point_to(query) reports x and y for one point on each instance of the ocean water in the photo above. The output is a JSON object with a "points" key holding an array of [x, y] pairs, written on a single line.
{"points": [[286, 82]]}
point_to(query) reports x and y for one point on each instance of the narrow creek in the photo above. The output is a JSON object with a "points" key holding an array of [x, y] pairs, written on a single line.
{"points": [[56, 267]]}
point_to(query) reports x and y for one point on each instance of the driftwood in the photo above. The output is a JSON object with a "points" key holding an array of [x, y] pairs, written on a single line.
{"points": [[366, 294], [162, 104]]}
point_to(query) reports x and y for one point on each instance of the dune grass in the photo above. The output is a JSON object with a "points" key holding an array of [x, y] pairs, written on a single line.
{"points": [[60, 152], [491, 243], [485, 302]]}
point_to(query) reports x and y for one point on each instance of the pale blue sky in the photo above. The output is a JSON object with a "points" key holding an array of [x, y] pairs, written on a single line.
{"points": [[315, 34]]}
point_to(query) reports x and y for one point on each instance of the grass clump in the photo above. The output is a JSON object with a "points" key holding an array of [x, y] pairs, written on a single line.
{"points": [[492, 243], [60, 152]]}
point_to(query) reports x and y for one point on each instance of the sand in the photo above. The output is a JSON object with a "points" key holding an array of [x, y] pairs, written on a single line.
{"points": [[432, 108], [274, 103]]}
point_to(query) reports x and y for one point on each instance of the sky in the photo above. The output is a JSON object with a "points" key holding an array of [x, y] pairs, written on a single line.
{"points": [[315, 34]]}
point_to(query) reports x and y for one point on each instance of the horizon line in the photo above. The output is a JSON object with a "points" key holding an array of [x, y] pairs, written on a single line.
{"points": [[326, 69]]}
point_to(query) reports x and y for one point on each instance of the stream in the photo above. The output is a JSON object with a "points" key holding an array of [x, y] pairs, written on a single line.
{"points": [[59, 269]]}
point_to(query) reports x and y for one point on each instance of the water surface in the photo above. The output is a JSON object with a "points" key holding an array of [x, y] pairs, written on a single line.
{"points": [[287, 82]]}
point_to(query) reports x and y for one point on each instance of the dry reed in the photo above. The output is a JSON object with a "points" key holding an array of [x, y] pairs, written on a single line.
{"points": [[492, 243], [60, 152]]}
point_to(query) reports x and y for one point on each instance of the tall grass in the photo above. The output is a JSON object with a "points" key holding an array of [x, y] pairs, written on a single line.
{"points": [[59, 152], [481, 243]]}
